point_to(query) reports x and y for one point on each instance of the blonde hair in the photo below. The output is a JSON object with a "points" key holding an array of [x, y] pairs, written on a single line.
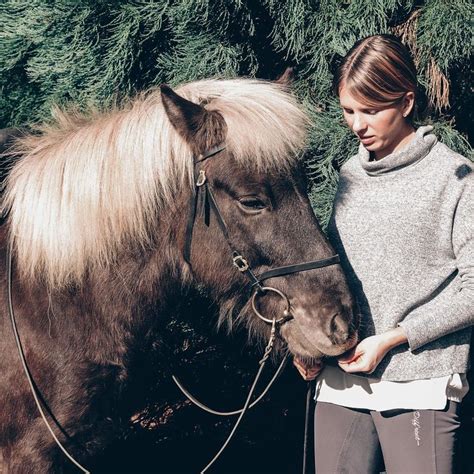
{"points": [[89, 186], [377, 71]]}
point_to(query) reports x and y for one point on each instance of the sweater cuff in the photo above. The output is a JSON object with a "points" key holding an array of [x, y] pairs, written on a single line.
{"points": [[415, 341]]}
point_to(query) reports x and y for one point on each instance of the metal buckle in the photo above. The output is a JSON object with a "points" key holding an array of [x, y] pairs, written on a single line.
{"points": [[201, 178], [240, 262]]}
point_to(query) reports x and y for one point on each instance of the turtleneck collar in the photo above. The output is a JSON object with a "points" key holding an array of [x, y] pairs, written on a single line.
{"points": [[413, 152]]}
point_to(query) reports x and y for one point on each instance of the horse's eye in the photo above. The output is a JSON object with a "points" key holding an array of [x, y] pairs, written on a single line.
{"points": [[252, 204]]}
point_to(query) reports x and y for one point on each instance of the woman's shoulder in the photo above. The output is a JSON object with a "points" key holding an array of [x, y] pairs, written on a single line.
{"points": [[350, 166], [446, 161], [452, 157]]}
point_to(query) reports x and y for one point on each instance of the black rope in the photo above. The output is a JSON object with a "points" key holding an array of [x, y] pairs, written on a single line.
{"points": [[204, 407], [193, 202], [262, 363], [190, 225], [307, 425], [207, 201], [211, 152]]}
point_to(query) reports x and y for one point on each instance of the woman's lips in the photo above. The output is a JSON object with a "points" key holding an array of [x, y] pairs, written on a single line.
{"points": [[367, 140]]}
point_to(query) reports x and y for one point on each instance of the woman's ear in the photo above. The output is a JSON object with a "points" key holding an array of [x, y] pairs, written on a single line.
{"points": [[408, 103]]}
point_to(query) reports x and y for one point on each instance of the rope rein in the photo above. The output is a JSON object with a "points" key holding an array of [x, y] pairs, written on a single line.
{"points": [[262, 362], [204, 407]]}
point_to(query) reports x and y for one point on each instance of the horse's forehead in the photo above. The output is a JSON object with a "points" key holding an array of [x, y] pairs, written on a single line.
{"points": [[232, 171]]}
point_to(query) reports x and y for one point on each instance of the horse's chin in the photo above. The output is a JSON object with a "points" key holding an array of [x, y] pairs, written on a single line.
{"points": [[303, 352], [307, 350], [297, 344]]}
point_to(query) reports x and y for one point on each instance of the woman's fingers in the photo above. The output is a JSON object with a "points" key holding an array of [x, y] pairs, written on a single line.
{"points": [[348, 356], [361, 364], [358, 366], [308, 372]]}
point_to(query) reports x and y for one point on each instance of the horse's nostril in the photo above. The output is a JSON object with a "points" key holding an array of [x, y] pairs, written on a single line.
{"points": [[338, 329], [334, 323]]}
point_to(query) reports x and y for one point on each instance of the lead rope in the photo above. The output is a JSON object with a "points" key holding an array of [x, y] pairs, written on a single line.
{"points": [[204, 407], [262, 362], [307, 424], [25, 365]]}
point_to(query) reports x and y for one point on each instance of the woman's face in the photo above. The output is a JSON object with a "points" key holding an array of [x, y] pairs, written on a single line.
{"points": [[380, 129]]}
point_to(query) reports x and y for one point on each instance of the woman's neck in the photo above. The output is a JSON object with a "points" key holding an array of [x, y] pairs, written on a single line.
{"points": [[405, 136]]}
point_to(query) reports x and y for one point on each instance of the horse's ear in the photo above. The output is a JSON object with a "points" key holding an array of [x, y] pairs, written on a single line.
{"points": [[287, 78], [186, 116]]}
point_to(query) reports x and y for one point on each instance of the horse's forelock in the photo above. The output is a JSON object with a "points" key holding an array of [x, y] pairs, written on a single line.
{"points": [[266, 127], [86, 187]]}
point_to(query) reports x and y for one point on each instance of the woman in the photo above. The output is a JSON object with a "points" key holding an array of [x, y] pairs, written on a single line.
{"points": [[403, 224]]}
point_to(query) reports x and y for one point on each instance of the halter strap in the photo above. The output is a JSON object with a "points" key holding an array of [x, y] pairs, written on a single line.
{"points": [[194, 198], [300, 267], [211, 152]]}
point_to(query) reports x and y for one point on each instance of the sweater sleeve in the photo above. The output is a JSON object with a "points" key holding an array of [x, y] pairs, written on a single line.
{"points": [[446, 313]]}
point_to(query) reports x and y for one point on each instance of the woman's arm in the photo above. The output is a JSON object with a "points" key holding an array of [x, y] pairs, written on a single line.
{"points": [[447, 313]]}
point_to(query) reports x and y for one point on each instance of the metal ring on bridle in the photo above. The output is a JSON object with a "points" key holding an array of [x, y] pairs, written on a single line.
{"points": [[286, 312]]}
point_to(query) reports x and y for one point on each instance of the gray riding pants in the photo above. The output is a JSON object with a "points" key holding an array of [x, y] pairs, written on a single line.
{"points": [[349, 440]]}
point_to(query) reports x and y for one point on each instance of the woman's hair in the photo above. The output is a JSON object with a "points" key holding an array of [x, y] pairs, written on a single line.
{"points": [[377, 70]]}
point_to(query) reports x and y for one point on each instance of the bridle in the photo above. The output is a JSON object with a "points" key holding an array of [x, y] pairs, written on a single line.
{"points": [[202, 197], [202, 200]]}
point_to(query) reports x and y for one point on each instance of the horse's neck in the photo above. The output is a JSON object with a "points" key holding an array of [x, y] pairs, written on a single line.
{"points": [[109, 311]]}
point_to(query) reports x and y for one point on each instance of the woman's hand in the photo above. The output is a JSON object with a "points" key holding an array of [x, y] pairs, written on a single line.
{"points": [[307, 371], [366, 356]]}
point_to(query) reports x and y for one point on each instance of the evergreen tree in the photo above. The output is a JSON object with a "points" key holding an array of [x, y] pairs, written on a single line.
{"points": [[91, 52]]}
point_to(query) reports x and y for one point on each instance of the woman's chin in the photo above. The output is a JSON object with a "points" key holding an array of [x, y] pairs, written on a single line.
{"points": [[373, 147]]}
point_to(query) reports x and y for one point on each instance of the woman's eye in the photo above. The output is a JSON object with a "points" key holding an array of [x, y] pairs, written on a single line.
{"points": [[372, 111], [252, 204]]}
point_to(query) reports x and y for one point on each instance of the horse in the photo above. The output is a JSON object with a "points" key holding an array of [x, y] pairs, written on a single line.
{"points": [[96, 216]]}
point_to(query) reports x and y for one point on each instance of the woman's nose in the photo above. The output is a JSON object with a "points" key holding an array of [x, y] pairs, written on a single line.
{"points": [[359, 124]]}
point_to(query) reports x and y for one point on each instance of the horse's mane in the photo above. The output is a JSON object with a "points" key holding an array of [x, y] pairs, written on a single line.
{"points": [[90, 183]]}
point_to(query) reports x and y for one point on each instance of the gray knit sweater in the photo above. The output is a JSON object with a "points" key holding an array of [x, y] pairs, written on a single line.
{"points": [[404, 227]]}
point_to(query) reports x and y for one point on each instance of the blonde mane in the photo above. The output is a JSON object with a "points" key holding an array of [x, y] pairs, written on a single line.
{"points": [[88, 185]]}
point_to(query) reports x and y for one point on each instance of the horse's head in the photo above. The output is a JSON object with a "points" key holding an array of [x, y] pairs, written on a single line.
{"points": [[269, 221]]}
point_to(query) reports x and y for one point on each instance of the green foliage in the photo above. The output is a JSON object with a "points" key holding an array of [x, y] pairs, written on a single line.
{"points": [[91, 52], [329, 137], [445, 32]]}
